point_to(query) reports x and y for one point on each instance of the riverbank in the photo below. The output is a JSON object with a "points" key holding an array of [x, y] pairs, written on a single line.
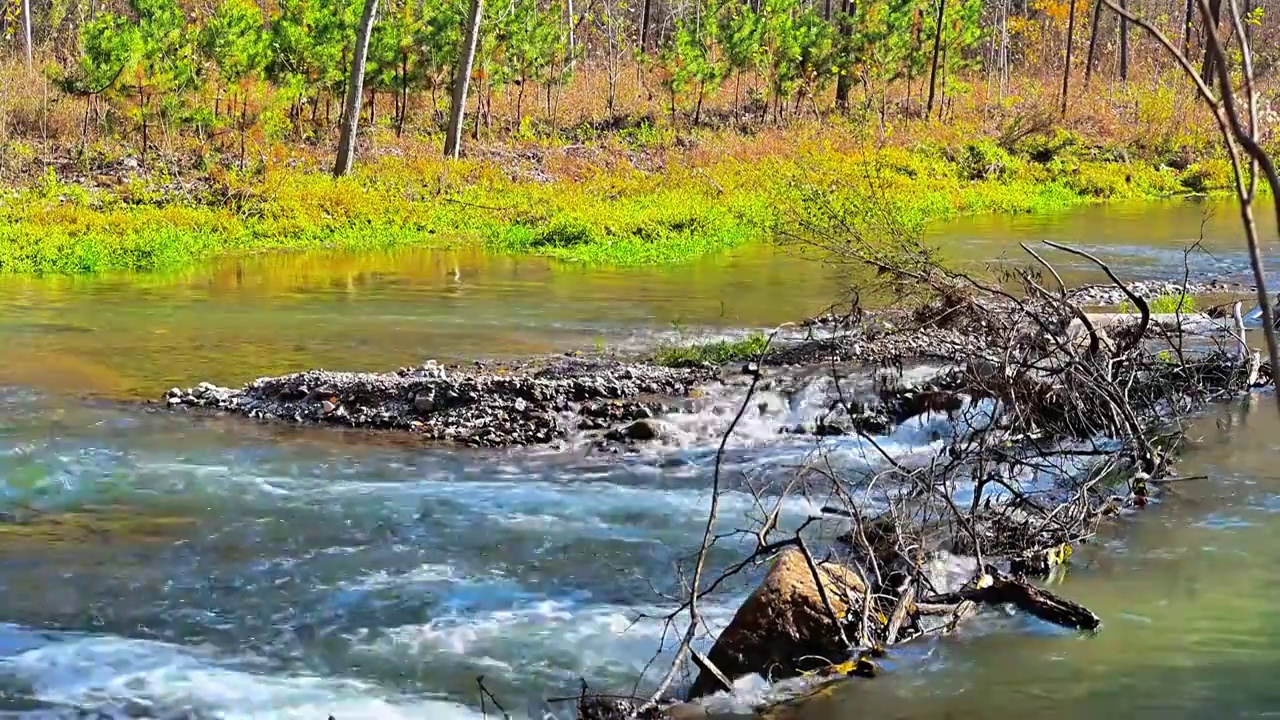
{"points": [[624, 200]]}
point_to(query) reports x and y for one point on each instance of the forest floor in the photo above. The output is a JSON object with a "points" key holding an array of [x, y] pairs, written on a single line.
{"points": [[633, 190]]}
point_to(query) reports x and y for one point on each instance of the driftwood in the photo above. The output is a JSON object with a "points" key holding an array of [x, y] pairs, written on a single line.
{"points": [[1053, 427], [708, 668], [1026, 597]]}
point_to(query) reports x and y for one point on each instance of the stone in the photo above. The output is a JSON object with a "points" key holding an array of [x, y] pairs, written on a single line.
{"points": [[829, 428], [491, 406], [424, 403], [641, 430], [783, 628]]}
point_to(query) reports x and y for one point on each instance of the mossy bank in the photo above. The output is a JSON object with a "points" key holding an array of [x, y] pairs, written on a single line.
{"points": [[620, 201]]}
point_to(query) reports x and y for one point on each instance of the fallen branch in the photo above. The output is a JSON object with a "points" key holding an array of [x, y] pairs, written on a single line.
{"points": [[1026, 597]]}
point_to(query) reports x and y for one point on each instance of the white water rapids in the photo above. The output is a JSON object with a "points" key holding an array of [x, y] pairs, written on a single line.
{"points": [[311, 572]]}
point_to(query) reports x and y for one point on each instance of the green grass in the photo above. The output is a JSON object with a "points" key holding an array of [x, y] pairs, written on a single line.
{"points": [[1165, 305], [606, 211], [719, 352]]}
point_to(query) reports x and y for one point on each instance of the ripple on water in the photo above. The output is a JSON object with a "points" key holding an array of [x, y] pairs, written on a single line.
{"points": [[541, 644], [102, 672], [389, 571]]}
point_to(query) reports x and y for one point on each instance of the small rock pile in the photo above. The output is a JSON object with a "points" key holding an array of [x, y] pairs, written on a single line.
{"points": [[936, 343], [480, 406], [1104, 295]]}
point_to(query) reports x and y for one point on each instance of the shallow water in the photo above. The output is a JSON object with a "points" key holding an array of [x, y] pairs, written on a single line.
{"points": [[228, 569], [128, 336]]}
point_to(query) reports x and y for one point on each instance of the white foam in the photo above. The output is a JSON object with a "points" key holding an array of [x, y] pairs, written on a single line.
{"points": [[426, 573], [555, 642], [97, 671]]}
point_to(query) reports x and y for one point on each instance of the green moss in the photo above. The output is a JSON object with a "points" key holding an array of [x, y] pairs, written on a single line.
{"points": [[718, 352]]}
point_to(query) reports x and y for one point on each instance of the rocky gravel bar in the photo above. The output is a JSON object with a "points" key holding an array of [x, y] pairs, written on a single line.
{"points": [[480, 405], [1107, 295]]}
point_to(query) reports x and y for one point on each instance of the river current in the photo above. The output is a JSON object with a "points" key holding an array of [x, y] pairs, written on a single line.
{"points": [[179, 566]]}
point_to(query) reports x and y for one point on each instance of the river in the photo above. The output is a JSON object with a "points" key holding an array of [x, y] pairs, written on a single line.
{"points": [[216, 568]]}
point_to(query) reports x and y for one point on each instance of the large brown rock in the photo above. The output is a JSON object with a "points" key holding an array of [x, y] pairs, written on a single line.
{"points": [[783, 628]]}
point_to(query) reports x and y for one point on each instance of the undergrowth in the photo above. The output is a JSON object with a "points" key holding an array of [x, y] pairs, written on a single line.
{"points": [[664, 203]]}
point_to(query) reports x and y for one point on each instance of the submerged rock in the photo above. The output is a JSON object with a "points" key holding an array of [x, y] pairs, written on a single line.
{"points": [[783, 628], [639, 431]]}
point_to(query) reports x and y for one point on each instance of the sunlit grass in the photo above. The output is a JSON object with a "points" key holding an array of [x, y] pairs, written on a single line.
{"points": [[718, 193], [718, 352]]}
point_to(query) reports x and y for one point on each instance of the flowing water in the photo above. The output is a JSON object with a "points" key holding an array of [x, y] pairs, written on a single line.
{"points": [[183, 566]]}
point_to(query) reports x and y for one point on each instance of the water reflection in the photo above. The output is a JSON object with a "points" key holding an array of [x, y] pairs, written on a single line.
{"points": [[132, 336]]}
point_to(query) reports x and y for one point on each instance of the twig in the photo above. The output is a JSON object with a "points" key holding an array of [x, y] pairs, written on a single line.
{"points": [[484, 693], [1138, 302]]}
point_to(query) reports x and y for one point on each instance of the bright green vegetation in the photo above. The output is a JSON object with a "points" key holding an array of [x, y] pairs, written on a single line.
{"points": [[701, 201], [1165, 305], [718, 352]]}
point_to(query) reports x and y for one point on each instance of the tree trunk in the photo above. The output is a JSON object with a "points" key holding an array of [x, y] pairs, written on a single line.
{"points": [[1187, 19], [942, 82], [844, 81], [453, 140], [1124, 44], [142, 115], [1207, 68], [1004, 46], [520, 102], [404, 94], [572, 46], [355, 91], [1066, 69], [937, 48], [644, 25], [244, 123], [26, 31], [1093, 41]]}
